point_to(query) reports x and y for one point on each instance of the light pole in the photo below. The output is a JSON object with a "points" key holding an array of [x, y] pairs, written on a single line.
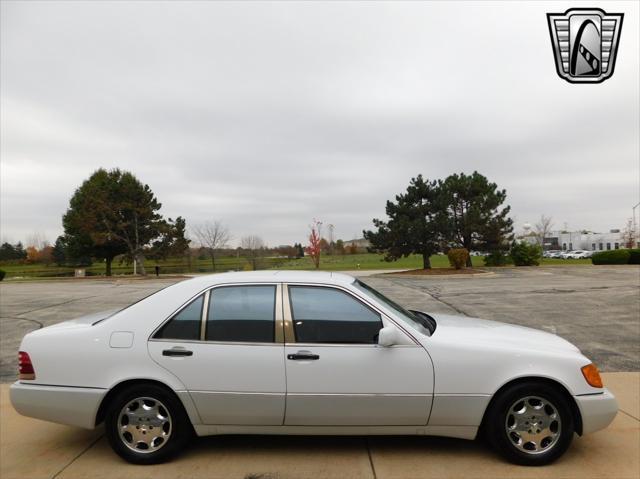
{"points": [[635, 230]]}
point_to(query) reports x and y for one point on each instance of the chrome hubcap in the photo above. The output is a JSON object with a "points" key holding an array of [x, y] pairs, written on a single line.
{"points": [[533, 425], [144, 425]]}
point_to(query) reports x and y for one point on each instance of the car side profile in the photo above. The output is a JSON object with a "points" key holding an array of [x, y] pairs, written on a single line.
{"points": [[305, 353]]}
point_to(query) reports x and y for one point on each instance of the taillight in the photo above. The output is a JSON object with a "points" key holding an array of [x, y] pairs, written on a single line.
{"points": [[25, 367]]}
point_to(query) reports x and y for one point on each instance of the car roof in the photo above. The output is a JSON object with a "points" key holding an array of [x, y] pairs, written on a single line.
{"points": [[320, 277]]}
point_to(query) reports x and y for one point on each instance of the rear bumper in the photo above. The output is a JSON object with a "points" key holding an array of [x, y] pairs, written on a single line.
{"points": [[64, 405], [597, 410]]}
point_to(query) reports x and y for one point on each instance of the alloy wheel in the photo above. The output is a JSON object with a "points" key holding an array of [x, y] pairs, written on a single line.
{"points": [[144, 425], [533, 425]]}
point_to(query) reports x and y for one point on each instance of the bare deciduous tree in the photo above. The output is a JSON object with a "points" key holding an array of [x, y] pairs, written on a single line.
{"points": [[253, 247], [628, 234], [38, 240], [212, 236], [315, 242], [543, 229]]}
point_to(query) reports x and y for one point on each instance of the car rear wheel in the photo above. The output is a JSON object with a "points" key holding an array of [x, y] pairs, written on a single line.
{"points": [[146, 424], [530, 423]]}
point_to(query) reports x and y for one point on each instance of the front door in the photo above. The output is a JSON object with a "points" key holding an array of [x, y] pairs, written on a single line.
{"points": [[223, 347], [337, 375]]}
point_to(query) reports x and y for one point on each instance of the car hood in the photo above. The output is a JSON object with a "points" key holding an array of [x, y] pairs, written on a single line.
{"points": [[481, 331]]}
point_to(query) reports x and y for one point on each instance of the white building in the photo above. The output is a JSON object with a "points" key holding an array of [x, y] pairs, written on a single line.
{"points": [[358, 243], [583, 240]]}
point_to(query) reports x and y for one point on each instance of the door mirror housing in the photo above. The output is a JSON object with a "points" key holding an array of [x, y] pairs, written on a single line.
{"points": [[388, 336]]}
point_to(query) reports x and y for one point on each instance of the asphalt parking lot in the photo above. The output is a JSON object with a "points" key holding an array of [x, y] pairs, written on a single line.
{"points": [[597, 308]]}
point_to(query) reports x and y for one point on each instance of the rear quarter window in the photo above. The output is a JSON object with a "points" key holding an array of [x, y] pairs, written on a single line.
{"points": [[185, 324]]}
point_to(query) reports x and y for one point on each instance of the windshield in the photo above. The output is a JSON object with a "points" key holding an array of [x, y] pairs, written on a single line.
{"points": [[421, 322]]}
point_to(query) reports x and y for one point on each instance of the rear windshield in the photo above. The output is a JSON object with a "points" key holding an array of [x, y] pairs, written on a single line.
{"points": [[129, 305]]}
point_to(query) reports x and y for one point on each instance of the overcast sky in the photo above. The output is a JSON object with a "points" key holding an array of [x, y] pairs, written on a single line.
{"points": [[267, 115]]}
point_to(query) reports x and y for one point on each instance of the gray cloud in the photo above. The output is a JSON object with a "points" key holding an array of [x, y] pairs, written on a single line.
{"points": [[268, 115]]}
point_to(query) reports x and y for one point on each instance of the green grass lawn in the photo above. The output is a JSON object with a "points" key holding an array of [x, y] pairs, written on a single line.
{"points": [[329, 263], [369, 261], [376, 261]]}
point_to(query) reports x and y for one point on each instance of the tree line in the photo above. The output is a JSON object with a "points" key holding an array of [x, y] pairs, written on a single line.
{"points": [[17, 253], [432, 216], [112, 214], [12, 252]]}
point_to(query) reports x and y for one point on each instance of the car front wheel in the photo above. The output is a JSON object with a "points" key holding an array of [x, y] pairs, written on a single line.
{"points": [[530, 424], [146, 424]]}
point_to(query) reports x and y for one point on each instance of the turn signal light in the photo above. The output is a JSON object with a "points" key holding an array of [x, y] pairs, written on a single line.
{"points": [[592, 375], [25, 367]]}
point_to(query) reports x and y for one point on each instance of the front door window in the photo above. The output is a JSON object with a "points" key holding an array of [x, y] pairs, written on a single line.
{"points": [[328, 315]]}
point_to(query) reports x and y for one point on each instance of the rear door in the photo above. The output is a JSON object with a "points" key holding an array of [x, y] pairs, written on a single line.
{"points": [[337, 375], [226, 347]]}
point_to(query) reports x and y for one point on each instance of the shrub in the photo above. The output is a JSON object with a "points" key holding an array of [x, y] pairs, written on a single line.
{"points": [[634, 256], [615, 256], [247, 266], [525, 254], [2, 274], [497, 258], [458, 257]]}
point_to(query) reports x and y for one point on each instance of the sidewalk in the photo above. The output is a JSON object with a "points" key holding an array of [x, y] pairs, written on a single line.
{"points": [[32, 449]]}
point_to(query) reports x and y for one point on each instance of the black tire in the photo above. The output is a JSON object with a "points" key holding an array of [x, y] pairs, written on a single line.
{"points": [[500, 417], [178, 431]]}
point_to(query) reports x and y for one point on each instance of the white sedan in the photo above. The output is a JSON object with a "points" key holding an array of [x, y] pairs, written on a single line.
{"points": [[582, 254], [305, 353], [577, 254]]}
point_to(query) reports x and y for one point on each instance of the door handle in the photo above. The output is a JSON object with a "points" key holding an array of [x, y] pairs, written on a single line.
{"points": [[303, 356], [177, 352]]}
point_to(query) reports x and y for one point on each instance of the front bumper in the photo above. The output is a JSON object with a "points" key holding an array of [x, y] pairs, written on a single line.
{"points": [[65, 405], [597, 410]]}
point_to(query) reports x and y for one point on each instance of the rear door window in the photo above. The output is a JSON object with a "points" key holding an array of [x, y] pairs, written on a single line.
{"points": [[242, 314]]}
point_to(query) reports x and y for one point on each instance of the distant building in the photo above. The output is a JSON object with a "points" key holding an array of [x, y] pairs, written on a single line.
{"points": [[359, 243], [582, 240]]}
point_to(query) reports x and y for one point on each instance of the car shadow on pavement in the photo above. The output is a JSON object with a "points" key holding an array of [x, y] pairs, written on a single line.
{"points": [[271, 457]]}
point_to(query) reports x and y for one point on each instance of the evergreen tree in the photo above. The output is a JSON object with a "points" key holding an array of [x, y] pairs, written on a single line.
{"points": [[412, 227], [471, 214], [59, 252], [173, 241], [9, 252]]}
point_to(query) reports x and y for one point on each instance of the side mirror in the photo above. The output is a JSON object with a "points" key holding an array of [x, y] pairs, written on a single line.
{"points": [[388, 336]]}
